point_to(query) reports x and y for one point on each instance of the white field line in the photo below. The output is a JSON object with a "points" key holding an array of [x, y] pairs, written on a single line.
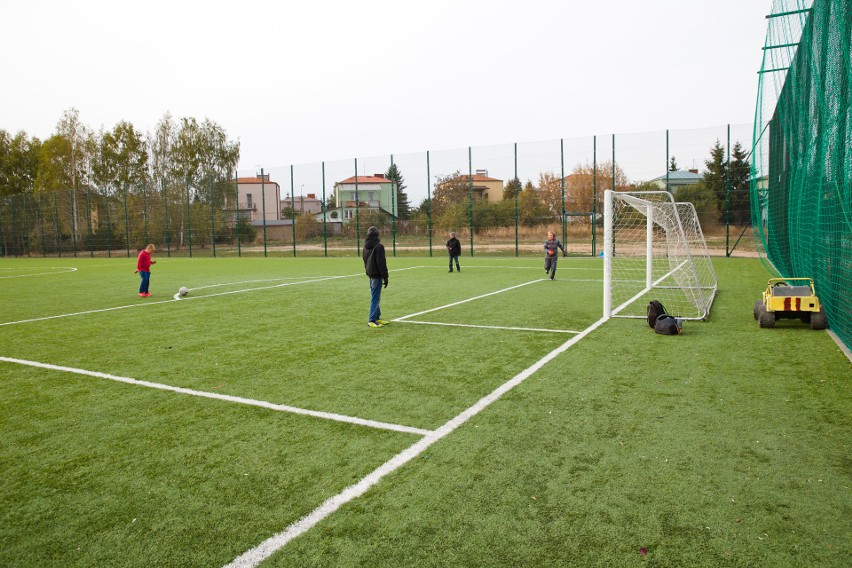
{"points": [[65, 270], [468, 300], [596, 268], [647, 289], [225, 397], [490, 326], [264, 550], [310, 280]]}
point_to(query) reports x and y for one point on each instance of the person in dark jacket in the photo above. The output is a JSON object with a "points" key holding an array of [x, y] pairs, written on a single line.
{"points": [[454, 250], [376, 267], [551, 253]]}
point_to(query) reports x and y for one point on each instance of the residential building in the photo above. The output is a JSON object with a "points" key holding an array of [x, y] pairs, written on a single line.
{"points": [[375, 193], [302, 204], [678, 179], [485, 188], [258, 196]]}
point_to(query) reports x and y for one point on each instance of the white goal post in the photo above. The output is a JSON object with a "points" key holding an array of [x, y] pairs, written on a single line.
{"points": [[654, 250]]}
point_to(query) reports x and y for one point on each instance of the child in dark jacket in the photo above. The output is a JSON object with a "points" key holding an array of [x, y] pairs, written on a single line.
{"points": [[551, 245]]}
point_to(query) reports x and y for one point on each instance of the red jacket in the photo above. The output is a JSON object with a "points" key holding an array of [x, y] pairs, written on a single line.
{"points": [[143, 263]]}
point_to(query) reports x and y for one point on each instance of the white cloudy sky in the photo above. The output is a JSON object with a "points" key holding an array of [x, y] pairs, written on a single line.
{"points": [[302, 82]]}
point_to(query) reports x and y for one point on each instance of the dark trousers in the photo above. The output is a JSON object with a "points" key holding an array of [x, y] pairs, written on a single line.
{"points": [[456, 258]]}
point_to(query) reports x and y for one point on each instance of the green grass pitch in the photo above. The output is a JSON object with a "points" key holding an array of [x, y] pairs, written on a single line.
{"points": [[164, 432]]}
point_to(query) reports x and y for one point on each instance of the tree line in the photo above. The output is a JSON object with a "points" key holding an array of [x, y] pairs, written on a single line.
{"points": [[75, 156]]}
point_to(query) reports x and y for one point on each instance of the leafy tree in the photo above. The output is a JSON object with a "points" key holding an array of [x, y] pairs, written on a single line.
{"points": [[54, 173], [550, 189], [451, 189], [402, 207], [331, 203], [673, 165], [580, 186], [81, 149], [512, 187], [122, 157], [18, 163]]}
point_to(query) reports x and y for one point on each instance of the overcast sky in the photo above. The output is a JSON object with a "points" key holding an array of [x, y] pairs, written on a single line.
{"points": [[302, 82]]}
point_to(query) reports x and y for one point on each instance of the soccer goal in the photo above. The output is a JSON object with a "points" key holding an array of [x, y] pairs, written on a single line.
{"points": [[654, 250]]}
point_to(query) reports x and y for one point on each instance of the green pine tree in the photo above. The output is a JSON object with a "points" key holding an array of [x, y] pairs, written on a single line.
{"points": [[402, 207]]}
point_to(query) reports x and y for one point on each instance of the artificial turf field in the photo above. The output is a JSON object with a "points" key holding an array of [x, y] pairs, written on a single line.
{"points": [[496, 422]]}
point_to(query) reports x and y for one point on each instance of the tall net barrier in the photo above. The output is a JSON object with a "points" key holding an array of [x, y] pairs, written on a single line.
{"points": [[801, 182], [499, 200], [654, 249]]}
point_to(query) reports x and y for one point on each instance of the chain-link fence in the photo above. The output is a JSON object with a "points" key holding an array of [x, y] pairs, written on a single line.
{"points": [[497, 199]]}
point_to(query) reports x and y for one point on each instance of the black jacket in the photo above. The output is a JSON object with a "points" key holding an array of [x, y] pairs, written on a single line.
{"points": [[454, 246], [375, 264]]}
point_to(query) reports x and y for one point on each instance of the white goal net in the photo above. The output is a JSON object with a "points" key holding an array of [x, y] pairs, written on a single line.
{"points": [[654, 250]]}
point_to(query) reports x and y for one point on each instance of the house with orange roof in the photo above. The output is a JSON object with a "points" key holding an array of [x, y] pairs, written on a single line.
{"points": [[258, 199], [373, 193], [484, 188]]}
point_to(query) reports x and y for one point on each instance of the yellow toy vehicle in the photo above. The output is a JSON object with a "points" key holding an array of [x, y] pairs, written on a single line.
{"points": [[790, 298]]}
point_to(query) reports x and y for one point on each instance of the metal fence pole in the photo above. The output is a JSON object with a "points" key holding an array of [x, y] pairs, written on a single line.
{"points": [[145, 209], [212, 219], [728, 197], [357, 212], [393, 211], [263, 207], [237, 217], [56, 235], [470, 193], [324, 213], [667, 160], [293, 208], [594, 195], [166, 209], [126, 224], [74, 220], [108, 224], [41, 223], [89, 221], [188, 221], [429, 201], [515, 191], [562, 184]]}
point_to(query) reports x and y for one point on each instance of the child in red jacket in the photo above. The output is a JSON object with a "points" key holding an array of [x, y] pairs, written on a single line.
{"points": [[143, 267]]}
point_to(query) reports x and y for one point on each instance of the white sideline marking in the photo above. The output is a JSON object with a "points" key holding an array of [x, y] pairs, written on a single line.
{"points": [[311, 279], [268, 547], [65, 269], [225, 397], [490, 326], [468, 300]]}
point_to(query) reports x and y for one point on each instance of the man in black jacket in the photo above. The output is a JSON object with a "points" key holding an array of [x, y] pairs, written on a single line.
{"points": [[454, 249], [376, 267]]}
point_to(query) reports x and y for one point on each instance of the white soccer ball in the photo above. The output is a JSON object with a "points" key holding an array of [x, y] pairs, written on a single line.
{"points": [[184, 291]]}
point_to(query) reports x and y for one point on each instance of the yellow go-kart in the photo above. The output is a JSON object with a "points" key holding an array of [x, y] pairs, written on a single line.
{"points": [[790, 298]]}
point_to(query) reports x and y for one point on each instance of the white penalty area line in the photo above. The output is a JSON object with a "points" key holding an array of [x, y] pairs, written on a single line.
{"points": [[490, 326], [225, 397], [64, 270], [267, 548], [403, 318]]}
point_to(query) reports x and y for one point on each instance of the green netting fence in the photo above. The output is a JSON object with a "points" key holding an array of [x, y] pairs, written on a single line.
{"points": [[499, 199], [802, 152]]}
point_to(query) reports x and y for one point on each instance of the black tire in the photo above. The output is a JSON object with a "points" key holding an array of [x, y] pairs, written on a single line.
{"points": [[757, 305], [818, 320], [766, 319]]}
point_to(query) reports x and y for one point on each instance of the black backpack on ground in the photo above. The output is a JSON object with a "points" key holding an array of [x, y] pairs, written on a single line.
{"points": [[655, 310], [668, 325]]}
